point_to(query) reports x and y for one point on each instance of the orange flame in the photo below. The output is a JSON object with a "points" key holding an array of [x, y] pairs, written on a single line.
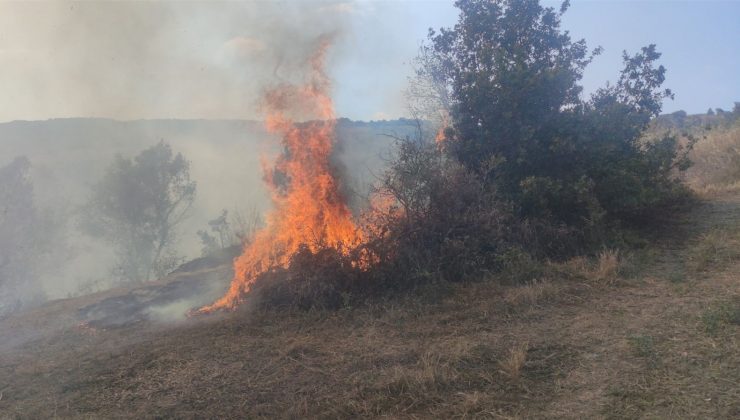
{"points": [[444, 124], [309, 209]]}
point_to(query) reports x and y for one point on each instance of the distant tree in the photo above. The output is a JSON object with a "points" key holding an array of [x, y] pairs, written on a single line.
{"points": [[225, 231], [245, 223], [734, 115], [219, 237], [710, 111], [674, 120], [428, 94], [208, 243], [138, 206], [21, 237]]}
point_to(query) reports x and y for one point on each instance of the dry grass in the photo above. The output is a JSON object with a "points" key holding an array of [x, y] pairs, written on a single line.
{"points": [[530, 294], [713, 190], [716, 248], [644, 350], [603, 270], [512, 365], [716, 159], [607, 267]]}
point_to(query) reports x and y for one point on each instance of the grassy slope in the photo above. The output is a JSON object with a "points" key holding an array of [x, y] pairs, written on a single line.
{"points": [[662, 343]]}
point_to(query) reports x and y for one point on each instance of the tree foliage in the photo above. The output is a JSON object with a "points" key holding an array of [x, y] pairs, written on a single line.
{"points": [[515, 97], [227, 230], [137, 207], [17, 232], [446, 222], [218, 236], [31, 239], [510, 72]]}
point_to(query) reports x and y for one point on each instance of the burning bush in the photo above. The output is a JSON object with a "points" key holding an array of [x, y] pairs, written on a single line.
{"points": [[310, 213], [433, 220], [324, 279], [526, 169], [445, 221]]}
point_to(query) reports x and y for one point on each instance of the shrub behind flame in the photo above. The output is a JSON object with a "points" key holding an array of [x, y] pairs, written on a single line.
{"points": [[309, 209]]}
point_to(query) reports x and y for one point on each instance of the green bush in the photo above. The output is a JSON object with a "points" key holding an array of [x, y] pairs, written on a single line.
{"points": [[448, 223], [569, 166]]}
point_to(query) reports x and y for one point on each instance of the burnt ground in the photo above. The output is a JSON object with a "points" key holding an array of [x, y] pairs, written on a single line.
{"points": [[658, 341]]}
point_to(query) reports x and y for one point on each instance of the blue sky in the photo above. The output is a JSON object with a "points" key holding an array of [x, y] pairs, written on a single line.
{"points": [[700, 42], [131, 60]]}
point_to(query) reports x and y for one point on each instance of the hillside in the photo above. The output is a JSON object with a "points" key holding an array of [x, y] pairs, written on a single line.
{"points": [[656, 337], [198, 231], [68, 156]]}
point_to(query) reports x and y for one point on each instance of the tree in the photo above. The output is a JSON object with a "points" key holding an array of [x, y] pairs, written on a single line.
{"points": [[21, 240], [137, 207], [511, 72], [17, 236], [219, 237], [224, 231], [244, 224], [513, 78], [428, 94]]}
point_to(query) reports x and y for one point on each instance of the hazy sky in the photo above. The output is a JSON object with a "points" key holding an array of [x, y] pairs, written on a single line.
{"points": [[130, 60]]}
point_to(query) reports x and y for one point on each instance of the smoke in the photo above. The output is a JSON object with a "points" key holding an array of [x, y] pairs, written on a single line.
{"points": [[186, 60], [131, 60], [167, 60]]}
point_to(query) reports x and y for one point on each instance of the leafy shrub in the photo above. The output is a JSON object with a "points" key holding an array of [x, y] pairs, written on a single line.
{"points": [[573, 169], [446, 221], [518, 267], [324, 279]]}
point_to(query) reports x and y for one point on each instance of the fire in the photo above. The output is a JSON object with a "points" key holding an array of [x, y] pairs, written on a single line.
{"points": [[309, 209], [444, 124]]}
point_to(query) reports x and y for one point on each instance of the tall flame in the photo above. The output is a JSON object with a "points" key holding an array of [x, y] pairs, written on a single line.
{"points": [[444, 123], [309, 209]]}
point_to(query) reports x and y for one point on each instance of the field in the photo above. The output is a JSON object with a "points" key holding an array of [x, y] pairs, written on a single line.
{"points": [[652, 334], [351, 209]]}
